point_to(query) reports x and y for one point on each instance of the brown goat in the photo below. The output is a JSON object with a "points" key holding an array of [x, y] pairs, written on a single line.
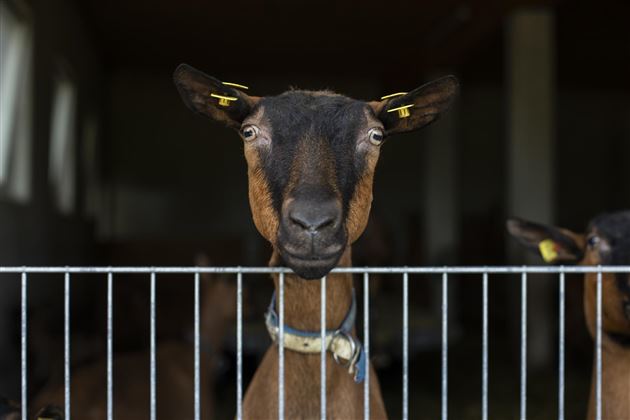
{"points": [[607, 242], [311, 158], [175, 370]]}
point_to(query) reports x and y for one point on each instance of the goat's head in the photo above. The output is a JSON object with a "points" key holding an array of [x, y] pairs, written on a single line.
{"points": [[311, 158], [606, 242]]}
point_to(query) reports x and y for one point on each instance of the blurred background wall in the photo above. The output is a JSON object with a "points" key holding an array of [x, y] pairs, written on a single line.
{"points": [[103, 164]]}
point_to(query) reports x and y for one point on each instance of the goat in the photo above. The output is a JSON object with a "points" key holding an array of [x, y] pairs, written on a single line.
{"points": [[10, 410], [607, 242], [311, 157], [175, 386]]}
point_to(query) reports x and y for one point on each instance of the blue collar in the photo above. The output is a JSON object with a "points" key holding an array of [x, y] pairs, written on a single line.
{"points": [[356, 364]]}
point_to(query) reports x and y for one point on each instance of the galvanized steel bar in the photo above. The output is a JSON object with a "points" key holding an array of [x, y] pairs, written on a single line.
{"points": [[598, 350], [561, 303], [281, 346], [110, 347], [322, 377], [444, 346], [405, 407], [353, 270], [484, 360], [523, 346], [153, 392], [366, 345], [239, 346], [197, 333], [404, 270], [23, 337], [66, 344]]}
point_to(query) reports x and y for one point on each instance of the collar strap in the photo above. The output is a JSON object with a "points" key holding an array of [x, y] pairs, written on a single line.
{"points": [[346, 349]]}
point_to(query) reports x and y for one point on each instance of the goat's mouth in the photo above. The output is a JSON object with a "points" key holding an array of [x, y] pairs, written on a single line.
{"points": [[311, 266]]}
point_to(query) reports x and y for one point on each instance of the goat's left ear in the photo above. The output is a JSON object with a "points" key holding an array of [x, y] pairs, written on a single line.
{"points": [[418, 108], [212, 98], [555, 245]]}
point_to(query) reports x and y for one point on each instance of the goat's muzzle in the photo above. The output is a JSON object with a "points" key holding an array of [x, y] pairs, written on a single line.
{"points": [[312, 237]]}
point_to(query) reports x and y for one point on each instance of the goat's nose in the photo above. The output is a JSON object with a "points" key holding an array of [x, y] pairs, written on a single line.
{"points": [[315, 217]]}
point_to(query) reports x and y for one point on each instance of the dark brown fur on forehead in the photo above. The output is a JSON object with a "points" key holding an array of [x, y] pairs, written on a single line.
{"points": [[318, 130], [612, 225]]}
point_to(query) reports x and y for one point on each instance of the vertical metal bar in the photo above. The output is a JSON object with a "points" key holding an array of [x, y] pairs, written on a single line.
{"points": [[444, 346], [281, 346], [484, 361], [110, 347], [561, 349], [598, 387], [197, 352], [152, 339], [66, 344], [405, 408], [322, 378], [23, 344], [239, 346], [523, 346], [366, 345]]}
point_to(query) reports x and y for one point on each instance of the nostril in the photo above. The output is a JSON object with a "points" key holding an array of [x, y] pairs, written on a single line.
{"points": [[297, 220], [312, 221], [329, 222]]}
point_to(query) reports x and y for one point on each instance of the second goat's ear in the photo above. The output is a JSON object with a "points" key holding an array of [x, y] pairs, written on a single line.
{"points": [[403, 112], [212, 98], [554, 245]]}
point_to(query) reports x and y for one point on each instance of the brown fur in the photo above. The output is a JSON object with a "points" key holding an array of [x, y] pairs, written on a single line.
{"points": [[302, 305], [361, 202], [615, 358], [302, 372], [313, 167], [175, 372], [264, 216]]}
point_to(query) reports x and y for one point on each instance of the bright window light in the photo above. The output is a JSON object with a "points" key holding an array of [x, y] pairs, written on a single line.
{"points": [[15, 104], [62, 162]]}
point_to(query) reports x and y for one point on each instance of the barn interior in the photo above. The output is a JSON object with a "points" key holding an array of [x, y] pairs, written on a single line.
{"points": [[102, 164]]}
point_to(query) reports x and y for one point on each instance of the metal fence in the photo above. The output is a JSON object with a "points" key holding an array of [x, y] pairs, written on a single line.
{"points": [[484, 272]]}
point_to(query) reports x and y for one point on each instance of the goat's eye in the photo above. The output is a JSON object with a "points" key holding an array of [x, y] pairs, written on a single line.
{"points": [[376, 136], [249, 132], [592, 241]]}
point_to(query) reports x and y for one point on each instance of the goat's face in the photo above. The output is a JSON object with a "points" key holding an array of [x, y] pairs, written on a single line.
{"points": [[311, 158], [606, 242]]}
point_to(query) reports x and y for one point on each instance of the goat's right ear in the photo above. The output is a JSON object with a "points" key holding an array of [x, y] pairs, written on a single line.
{"points": [[212, 98], [554, 245], [403, 112]]}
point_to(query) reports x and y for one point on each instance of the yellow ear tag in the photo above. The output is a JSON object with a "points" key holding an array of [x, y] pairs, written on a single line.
{"points": [[403, 111], [393, 95], [236, 85], [224, 100], [548, 250]]}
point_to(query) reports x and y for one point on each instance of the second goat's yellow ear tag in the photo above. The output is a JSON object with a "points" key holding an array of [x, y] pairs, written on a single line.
{"points": [[548, 250]]}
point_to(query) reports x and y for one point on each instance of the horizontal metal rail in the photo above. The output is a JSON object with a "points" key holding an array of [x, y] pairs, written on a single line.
{"points": [[354, 270], [194, 272]]}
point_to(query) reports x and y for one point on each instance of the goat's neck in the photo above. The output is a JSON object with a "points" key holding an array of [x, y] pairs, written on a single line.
{"points": [[302, 298], [615, 382]]}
